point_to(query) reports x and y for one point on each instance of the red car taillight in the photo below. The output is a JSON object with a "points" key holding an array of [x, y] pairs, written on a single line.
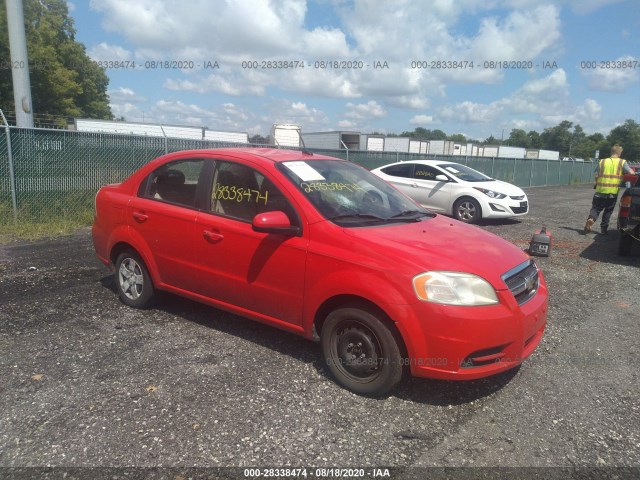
{"points": [[625, 206]]}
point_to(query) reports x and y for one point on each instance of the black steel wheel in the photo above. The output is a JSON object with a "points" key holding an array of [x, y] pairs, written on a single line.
{"points": [[361, 351], [468, 210], [133, 282]]}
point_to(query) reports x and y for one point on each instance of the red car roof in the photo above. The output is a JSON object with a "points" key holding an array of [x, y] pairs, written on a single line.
{"points": [[273, 154]]}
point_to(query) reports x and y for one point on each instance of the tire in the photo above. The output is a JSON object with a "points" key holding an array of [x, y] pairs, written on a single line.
{"points": [[467, 210], [624, 244], [349, 333], [133, 282]]}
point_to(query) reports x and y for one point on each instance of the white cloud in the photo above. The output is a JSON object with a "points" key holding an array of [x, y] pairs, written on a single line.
{"points": [[409, 101], [471, 112], [105, 52], [583, 7], [393, 32], [363, 111], [319, 83], [422, 120], [613, 79], [538, 103], [521, 35], [547, 94], [224, 117], [233, 84], [325, 43], [124, 102], [347, 124], [233, 31], [299, 113], [124, 94]]}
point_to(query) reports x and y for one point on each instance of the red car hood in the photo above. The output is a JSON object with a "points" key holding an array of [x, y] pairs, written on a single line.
{"points": [[439, 243]]}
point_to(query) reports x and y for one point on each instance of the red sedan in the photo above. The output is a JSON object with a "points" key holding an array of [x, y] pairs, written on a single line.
{"points": [[321, 247]]}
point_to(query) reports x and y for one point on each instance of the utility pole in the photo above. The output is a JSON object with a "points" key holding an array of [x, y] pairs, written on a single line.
{"points": [[19, 64]]}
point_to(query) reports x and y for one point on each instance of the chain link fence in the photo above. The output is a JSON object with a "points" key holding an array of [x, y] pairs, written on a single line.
{"points": [[56, 173]]}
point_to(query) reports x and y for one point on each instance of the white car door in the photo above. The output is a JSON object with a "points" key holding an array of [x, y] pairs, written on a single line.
{"points": [[400, 176], [430, 191]]}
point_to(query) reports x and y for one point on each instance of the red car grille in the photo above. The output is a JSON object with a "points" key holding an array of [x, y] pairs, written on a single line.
{"points": [[523, 281]]}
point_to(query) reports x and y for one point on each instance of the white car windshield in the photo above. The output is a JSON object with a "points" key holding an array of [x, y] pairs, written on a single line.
{"points": [[350, 195], [465, 173]]}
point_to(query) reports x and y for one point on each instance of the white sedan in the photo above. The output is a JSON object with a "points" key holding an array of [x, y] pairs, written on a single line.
{"points": [[454, 189]]}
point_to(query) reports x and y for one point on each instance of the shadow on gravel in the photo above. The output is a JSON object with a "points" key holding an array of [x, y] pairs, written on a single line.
{"points": [[280, 341], [605, 249], [419, 390], [497, 222], [441, 392], [109, 282], [572, 229]]}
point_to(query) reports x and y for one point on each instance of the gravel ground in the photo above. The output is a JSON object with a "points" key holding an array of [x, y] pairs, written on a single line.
{"points": [[88, 382]]}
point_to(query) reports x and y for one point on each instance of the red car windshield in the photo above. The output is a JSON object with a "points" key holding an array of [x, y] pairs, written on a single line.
{"points": [[350, 195]]}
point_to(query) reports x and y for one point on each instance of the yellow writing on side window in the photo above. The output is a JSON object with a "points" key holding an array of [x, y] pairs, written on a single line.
{"points": [[423, 173], [333, 186], [238, 194]]}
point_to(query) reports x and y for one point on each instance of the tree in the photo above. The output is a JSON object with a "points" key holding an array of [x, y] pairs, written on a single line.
{"points": [[534, 137], [519, 138], [627, 135], [423, 134], [65, 82], [260, 140], [457, 137], [589, 145], [558, 138]]}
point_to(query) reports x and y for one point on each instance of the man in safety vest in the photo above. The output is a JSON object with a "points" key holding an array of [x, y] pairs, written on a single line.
{"points": [[609, 175]]}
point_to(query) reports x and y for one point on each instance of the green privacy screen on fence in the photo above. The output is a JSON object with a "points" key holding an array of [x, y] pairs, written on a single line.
{"points": [[58, 172]]}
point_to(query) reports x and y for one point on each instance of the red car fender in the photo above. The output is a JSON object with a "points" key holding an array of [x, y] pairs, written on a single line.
{"points": [[355, 282], [124, 234]]}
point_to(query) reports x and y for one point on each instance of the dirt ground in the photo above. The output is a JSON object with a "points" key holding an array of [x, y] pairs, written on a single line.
{"points": [[87, 382]]}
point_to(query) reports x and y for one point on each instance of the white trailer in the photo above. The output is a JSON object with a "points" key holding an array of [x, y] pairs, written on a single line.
{"points": [[548, 155], [459, 149], [505, 151], [436, 147], [133, 128], [230, 137], [490, 151], [336, 140], [157, 130], [418, 146], [375, 143], [441, 147], [396, 144], [285, 135]]}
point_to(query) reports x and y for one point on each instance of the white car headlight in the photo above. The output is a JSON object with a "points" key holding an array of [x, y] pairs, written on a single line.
{"points": [[454, 288], [491, 193]]}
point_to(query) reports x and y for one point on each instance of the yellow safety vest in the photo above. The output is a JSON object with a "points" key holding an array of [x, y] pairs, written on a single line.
{"points": [[609, 175]]}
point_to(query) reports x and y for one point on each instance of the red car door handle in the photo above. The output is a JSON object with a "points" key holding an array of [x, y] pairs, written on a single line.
{"points": [[212, 236], [140, 217]]}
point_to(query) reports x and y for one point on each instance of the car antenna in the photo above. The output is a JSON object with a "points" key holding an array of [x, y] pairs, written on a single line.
{"points": [[304, 148]]}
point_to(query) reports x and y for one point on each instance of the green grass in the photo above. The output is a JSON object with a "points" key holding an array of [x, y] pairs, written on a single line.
{"points": [[39, 218]]}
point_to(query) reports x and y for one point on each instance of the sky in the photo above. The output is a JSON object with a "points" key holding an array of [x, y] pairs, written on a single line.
{"points": [[475, 67]]}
